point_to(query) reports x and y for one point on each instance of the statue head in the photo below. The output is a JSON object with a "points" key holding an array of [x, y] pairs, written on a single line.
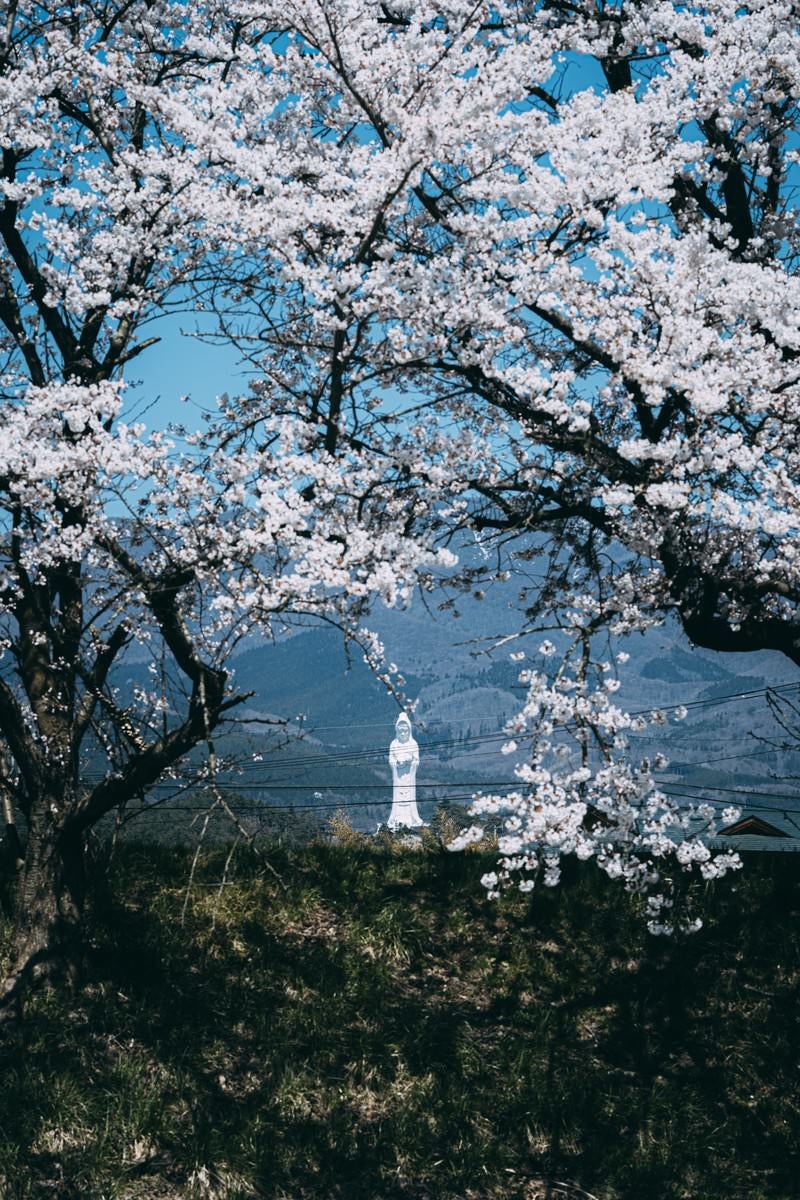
{"points": [[402, 728]]}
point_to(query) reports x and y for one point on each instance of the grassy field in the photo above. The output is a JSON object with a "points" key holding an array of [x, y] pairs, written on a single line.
{"points": [[373, 1029]]}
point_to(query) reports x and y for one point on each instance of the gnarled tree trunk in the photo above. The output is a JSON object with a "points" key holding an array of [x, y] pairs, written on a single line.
{"points": [[49, 908]]}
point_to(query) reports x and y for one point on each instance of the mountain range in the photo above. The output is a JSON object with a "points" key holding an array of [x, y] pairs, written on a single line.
{"points": [[463, 686]]}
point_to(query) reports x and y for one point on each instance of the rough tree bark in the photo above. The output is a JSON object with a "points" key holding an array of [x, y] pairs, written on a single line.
{"points": [[59, 808], [49, 910]]}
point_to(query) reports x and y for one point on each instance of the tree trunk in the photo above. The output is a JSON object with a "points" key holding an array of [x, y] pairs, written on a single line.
{"points": [[49, 911]]}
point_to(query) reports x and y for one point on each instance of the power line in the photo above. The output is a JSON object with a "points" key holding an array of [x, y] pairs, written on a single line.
{"points": [[278, 785], [425, 722], [714, 700], [350, 787], [266, 809], [379, 752], [783, 809], [364, 756], [346, 758], [704, 762], [274, 785], [712, 787], [355, 757], [482, 784]]}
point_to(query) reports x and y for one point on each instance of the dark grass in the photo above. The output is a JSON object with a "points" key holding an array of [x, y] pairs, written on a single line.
{"points": [[378, 1030]]}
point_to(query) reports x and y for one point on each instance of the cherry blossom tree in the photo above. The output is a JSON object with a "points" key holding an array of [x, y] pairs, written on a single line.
{"points": [[112, 207], [544, 256], [570, 226], [520, 269]]}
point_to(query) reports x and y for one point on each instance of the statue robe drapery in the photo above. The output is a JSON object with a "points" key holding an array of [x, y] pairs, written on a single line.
{"points": [[404, 759]]}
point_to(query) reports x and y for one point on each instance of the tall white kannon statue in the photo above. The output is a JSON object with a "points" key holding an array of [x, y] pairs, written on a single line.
{"points": [[404, 760]]}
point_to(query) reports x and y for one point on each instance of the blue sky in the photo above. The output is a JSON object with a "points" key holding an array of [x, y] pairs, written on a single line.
{"points": [[178, 366]]}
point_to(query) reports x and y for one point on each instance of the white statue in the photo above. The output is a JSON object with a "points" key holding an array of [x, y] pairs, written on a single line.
{"points": [[404, 760]]}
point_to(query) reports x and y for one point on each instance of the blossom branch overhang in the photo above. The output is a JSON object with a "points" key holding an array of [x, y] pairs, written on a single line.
{"points": [[612, 813]]}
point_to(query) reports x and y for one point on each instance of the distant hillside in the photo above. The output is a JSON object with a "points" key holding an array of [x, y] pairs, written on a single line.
{"points": [[341, 719]]}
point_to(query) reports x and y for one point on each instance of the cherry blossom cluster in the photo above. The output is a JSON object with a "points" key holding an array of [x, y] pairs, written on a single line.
{"points": [[583, 793]]}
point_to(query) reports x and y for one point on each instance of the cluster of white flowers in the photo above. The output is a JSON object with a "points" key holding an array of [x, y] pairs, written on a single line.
{"points": [[582, 793]]}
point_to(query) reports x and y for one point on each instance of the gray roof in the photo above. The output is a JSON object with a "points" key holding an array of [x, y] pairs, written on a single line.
{"points": [[775, 845], [781, 820]]}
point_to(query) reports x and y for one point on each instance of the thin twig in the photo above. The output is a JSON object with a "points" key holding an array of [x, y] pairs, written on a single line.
{"points": [[194, 863], [220, 800], [222, 883]]}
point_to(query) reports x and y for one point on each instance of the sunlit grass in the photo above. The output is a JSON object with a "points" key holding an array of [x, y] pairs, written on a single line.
{"points": [[372, 1028]]}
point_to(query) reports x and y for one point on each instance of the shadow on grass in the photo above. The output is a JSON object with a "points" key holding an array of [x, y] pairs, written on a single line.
{"points": [[377, 1029]]}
